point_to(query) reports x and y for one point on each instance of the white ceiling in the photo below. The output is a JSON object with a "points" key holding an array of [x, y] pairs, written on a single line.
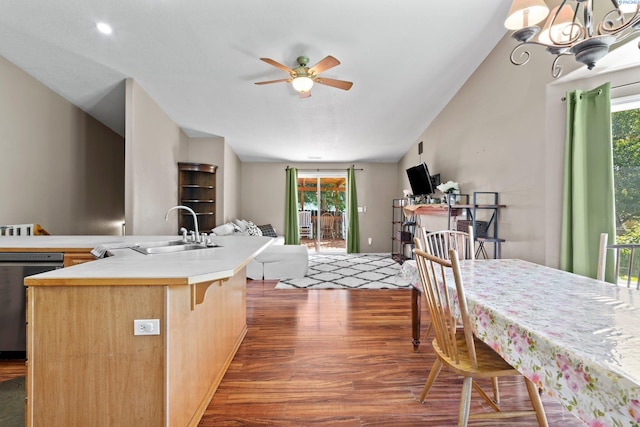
{"points": [[198, 59]]}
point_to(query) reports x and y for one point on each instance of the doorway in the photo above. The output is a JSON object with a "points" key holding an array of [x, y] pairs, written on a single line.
{"points": [[322, 196]]}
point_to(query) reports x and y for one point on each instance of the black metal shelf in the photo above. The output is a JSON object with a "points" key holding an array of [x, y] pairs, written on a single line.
{"points": [[472, 213], [402, 232]]}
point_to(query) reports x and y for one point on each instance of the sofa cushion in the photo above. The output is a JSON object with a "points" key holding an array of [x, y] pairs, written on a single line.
{"points": [[224, 229], [268, 230], [241, 223], [253, 229]]}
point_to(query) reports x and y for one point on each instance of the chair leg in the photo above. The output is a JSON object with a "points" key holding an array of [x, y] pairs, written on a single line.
{"points": [[426, 335], [537, 403], [435, 370], [496, 390], [485, 396], [465, 402]]}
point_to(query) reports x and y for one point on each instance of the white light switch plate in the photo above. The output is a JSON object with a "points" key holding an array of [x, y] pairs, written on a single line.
{"points": [[146, 327]]}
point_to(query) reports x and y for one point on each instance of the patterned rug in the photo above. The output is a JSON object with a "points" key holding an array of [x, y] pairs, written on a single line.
{"points": [[349, 271]]}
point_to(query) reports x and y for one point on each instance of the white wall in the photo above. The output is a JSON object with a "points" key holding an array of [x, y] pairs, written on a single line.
{"points": [[59, 167], [491, 137], [154, 146], [232, 185], [262, 197]]}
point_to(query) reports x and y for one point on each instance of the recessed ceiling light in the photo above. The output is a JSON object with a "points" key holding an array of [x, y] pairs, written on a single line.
{"points": [[315, 157], [104, 28]]}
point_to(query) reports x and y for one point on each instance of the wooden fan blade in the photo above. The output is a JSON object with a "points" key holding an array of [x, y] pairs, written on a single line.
{"points": [[277, 65], [325, 64], [306, 94], [273, 81], [340, 84]]}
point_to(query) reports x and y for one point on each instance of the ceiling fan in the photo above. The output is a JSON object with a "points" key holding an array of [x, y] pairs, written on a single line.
{"points": [[303, 77]]}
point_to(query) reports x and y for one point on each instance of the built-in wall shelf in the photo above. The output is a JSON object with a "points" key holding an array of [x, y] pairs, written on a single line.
{"points": [[197, 190]]}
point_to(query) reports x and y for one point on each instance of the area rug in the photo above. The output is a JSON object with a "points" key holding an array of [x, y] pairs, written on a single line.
{"points": [[349, 271], [12, 397]]}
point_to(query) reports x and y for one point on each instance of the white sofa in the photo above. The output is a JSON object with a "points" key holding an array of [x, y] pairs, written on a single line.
{"points": [[278, 261]]}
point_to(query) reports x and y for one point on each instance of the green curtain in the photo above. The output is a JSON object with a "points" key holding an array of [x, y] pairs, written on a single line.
{"points": [[353, 228], [589, 199], [291, 229]]}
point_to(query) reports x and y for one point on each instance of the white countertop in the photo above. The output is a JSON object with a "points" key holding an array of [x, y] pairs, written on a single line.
{"points": [[130, 267]]}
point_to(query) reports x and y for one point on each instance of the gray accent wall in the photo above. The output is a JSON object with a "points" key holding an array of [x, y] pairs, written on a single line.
{"points": [[504, 131], [154, 146], [59, 167]]}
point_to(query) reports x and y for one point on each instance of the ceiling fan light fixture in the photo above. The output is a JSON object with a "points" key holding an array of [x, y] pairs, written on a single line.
{"points": [[302, 84], [104, 28]]}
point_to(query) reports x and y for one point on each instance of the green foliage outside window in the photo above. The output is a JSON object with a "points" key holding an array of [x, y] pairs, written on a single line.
{"points": [[331, 198], [626, 166]]}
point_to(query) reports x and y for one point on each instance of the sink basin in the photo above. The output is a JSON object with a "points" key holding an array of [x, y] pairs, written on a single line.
{"points": [[168, 246]]}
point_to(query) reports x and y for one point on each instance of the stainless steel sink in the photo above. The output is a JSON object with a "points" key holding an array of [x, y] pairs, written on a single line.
{"points": [[168, 246]]}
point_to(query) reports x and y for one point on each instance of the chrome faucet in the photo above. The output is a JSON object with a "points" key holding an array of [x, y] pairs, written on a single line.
{"points": [[195, 219]]}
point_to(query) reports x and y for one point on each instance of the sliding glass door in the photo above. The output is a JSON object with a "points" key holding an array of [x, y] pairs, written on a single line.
{"points": [[322, 197]]}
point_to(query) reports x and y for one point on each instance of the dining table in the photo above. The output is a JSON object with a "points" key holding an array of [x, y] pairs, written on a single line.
{"points": [[576, 338]]}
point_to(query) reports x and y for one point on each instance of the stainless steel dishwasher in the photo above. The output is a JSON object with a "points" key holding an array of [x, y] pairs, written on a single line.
{"points": [[14, 267]]}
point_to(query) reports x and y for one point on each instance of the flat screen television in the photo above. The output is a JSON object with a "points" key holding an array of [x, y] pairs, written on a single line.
{"points": [[420, 180]]}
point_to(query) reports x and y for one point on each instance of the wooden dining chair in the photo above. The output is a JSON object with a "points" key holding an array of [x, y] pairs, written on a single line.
{"points": [[628, 250], [327, 225], [22, 230], [438, 243], [456, 348]]}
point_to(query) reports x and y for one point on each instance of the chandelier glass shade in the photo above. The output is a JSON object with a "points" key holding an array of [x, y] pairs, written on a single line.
{"points": [[570, 29]]}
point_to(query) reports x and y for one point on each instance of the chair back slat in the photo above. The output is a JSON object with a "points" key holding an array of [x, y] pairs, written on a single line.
{"points": [[439, 243], [434, 273], [304, 218], [17, 230]]}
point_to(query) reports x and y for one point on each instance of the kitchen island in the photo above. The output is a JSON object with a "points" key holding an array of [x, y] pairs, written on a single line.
{"points": [[85, 366]]}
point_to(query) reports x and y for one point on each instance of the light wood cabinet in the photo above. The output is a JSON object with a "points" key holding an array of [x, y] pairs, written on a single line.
{"points": [[197, 190], [86, 367], [71, 259]]}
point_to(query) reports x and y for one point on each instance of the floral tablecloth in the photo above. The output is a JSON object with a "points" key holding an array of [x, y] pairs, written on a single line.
{"points": [[576, 338]]}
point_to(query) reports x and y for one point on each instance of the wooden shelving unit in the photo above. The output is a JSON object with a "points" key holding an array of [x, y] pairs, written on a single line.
{"points": [[197, 190]]}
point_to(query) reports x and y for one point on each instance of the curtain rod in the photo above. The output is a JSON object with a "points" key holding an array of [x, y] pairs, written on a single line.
{"points": [[564, 98], [325, 170]]}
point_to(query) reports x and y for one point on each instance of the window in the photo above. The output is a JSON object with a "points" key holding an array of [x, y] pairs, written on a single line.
{"points": [[625, 122], [625, 126]]}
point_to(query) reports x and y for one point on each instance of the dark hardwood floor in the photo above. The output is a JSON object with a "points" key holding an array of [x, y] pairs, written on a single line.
{"points": [[339, 358], [343, 358]]}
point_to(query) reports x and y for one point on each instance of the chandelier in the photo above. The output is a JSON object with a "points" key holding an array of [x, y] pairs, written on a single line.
{"points": [[569, 29]]}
